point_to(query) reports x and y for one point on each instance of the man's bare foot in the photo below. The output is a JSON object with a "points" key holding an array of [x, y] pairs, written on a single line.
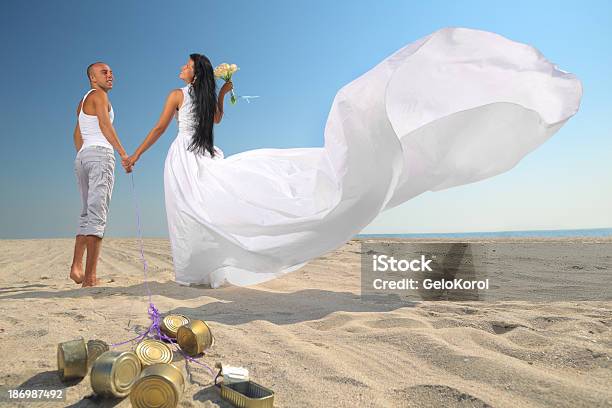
{"points": [[76, 274], [89, 283]]}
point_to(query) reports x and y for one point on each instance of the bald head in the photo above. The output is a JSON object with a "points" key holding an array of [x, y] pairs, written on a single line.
{"points": [[91, 67], [100, 75]]}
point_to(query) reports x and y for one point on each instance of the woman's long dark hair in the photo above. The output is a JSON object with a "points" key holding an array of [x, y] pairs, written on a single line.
{"points": [[204, 95]]}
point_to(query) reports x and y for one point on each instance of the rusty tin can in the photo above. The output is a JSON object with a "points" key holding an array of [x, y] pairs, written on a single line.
{"points": [[72, 359], [95, 348]]}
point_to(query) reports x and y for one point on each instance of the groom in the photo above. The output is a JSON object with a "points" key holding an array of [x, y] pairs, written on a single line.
{"points": [[94, 139]]}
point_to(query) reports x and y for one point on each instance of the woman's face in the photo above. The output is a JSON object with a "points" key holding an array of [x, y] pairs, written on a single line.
{"points": [[187, 71]]}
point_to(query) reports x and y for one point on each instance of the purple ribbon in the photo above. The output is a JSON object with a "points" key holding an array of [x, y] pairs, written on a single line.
{"points": [[154, 330]]}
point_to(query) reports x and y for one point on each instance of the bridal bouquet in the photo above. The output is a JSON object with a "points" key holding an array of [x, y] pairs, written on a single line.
{"points": [[225, 72]]}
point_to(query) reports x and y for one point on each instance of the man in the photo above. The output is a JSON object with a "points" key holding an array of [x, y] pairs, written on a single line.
{"points": [[94, 139]]}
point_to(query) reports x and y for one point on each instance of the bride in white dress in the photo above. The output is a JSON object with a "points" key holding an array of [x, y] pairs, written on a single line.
{"points": [[455, 107]]}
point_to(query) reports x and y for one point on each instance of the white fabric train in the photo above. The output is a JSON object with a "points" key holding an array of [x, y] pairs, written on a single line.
{"points": [[457, 106]]}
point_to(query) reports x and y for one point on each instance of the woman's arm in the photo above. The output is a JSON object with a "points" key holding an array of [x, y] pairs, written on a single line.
{"points": [[172, 103], [228, 86]]}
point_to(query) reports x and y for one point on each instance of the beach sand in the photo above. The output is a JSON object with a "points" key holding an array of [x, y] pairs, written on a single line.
{"points": [[308, 335]]}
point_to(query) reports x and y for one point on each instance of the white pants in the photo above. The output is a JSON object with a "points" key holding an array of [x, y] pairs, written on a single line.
{"points": [[94, 167]]}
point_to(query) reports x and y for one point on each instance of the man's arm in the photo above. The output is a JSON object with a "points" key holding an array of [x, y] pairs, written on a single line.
{"points": [[101, 107], [78, 138]]}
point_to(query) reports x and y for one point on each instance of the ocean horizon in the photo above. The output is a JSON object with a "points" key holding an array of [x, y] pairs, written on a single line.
{"points": [[562, 233]]}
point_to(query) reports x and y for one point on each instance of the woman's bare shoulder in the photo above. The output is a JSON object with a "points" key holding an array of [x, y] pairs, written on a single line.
{"points": [[176, 97]]}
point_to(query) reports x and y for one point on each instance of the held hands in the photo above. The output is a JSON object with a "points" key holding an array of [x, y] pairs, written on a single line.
{"points": [[131, 161], [128, 162], [125, 162]]}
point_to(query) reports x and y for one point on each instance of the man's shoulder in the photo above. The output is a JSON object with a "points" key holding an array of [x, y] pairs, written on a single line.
{"points": [[97, 95]]}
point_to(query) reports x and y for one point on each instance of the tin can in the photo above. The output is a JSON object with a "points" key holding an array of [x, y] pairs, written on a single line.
{"points": [[94, 349], [243, 394], [114, 373], [247, 394], [195, 337], [171, 323], [72, 359], [159, 385], [151, 351]]}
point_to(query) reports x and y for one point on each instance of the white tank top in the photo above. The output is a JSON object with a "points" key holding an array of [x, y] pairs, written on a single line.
{"points": [[90, 127]]}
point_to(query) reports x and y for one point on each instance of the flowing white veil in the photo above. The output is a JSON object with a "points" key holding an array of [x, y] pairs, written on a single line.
{"points": [[457, 106]]}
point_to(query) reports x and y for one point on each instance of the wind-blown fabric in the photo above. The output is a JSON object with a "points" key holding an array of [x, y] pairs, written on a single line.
{"points": [[455, 107]]}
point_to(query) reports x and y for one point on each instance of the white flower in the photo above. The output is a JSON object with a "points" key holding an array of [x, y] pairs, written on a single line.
{"points": [[225, 71], [221, 70]]}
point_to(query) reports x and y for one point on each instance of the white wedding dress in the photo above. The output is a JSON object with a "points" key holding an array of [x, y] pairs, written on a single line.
{"points": [[457, 106]]}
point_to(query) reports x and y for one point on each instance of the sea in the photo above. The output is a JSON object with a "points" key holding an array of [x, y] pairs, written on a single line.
{"points": [[564, 233]]}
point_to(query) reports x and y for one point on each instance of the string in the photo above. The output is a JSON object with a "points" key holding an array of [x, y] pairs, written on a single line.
{"points": [[139, 232], [154, 330]]}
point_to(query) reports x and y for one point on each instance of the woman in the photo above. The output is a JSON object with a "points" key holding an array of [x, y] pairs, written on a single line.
{"points": [[454, 107], [197, 109]]}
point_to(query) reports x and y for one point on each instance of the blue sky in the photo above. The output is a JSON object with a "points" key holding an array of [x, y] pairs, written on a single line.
{"points": [[296, 55]]}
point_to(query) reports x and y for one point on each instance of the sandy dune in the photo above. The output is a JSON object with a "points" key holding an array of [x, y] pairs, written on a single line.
{"points": [[308, 335]]}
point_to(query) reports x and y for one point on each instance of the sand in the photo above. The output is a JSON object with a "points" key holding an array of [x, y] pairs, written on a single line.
{"points": [[308, 335]]}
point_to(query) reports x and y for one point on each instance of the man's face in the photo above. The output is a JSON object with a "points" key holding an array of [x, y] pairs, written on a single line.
{"points": [[102, 75]]}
